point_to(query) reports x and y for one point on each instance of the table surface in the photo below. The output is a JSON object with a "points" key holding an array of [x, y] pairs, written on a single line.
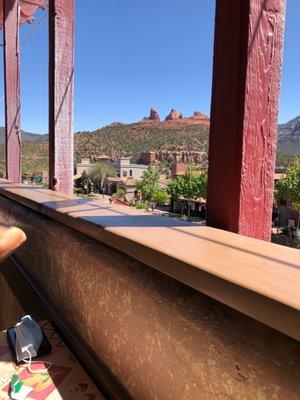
{"points": [[65, 379]]}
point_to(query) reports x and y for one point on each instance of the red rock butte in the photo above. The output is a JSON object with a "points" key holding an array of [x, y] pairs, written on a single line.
{"points": [[177, 117], [154, 116], [173, 116], [199, 115]]}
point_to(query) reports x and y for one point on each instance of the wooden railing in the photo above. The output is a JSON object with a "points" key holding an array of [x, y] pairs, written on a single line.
{"points": [[134, 287]]}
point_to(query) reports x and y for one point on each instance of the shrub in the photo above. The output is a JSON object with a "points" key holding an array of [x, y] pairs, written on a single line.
{"points": [[120, 192], [79, 191], [141, 206]]}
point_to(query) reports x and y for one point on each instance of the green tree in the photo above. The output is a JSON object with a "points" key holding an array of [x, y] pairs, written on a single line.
{"points": [[289, 189], [160, 196], [98, 173], [191, 186], [149, 184]]}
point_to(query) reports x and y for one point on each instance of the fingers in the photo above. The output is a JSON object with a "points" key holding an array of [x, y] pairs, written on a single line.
{"points": [[10, 239]]}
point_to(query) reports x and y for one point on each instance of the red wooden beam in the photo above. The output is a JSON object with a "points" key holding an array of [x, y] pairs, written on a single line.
{"points": [[61, 71], [12, 90], [242, 145]]}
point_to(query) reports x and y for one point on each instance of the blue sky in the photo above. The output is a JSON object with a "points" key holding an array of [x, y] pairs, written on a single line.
{"points": [[132, 55]]}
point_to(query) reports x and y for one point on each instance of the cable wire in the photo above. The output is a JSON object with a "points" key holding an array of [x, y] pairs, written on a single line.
{"points": [[36, 26]]}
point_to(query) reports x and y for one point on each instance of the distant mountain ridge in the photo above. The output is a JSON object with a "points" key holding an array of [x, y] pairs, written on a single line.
{"points": [[289, 137], [26, 136], [176, 133]]}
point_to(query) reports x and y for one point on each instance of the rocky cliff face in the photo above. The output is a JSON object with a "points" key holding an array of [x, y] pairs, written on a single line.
{"points": [[154, 116], [200, 116], [173, 116], [171, 156], [176, 116]]}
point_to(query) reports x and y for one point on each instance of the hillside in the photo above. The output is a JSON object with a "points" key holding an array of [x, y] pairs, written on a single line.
{"points": [[289, 137], [34, 151], [148, 135]]}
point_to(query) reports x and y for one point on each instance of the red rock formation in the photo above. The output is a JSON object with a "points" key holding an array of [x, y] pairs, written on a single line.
{"points": [[198, 115], [174, 115], [148, 157], [177, 156], [154, 116]]}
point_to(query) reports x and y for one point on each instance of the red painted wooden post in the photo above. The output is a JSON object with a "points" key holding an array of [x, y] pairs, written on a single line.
{"points": [[242, 145], [61, 71], [12, 89]]}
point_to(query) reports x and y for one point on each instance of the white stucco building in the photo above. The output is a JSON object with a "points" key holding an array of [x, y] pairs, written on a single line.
{"points": [[127, 170]]}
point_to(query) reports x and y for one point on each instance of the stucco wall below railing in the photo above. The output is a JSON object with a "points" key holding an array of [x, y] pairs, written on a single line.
{"points": [[160, 339]]}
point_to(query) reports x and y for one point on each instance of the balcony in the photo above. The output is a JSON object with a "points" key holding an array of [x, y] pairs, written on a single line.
{"points": [[155, 308], [149, 304]]}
